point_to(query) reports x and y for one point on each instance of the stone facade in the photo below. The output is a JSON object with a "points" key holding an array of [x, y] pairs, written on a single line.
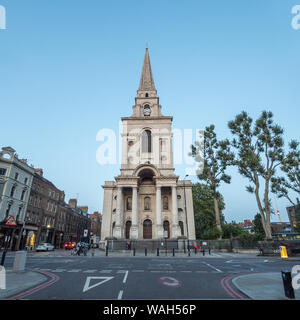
{"points": [[147, 200]]}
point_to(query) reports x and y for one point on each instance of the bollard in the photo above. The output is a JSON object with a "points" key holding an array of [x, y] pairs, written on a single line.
{"points": [[287, 284], [20, 261], [3, 258], [157, 252], [189, 251], [203, 252], [145, 252], [106, 251], [173, 252], [209, 251], [134, 252]]}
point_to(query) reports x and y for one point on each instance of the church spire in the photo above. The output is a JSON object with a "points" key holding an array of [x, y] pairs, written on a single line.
{"points": [[147, 82]]}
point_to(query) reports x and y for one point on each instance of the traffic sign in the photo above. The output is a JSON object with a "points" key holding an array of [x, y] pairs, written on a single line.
{"points": [[11, 221]]}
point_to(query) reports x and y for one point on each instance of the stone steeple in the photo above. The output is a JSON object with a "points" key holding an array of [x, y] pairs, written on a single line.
{"points": [[147, 82]]}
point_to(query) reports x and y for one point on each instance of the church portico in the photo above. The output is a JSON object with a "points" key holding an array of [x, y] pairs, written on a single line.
{"points": [[145, 200]]}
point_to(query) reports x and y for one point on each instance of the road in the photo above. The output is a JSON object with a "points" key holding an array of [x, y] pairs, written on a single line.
{"points": [[123, 277]]}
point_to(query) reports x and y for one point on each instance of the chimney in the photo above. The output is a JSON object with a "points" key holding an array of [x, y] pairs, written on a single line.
{"points": [[39, 172], [73, 203]]}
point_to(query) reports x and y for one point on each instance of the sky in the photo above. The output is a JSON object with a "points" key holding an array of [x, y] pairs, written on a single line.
{"points": [[71, 68]]}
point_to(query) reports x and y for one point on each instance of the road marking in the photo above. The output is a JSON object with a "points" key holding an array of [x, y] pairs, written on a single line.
{"points": [[121, 271], [75, 270], [90, 271], [201, 271], [105, 271], [59, 270], [138, 270], [120, 295], [212, 267], [186, 271], [217, 255], [125, 277], [170, 282], [43, 269], [88, 280]]}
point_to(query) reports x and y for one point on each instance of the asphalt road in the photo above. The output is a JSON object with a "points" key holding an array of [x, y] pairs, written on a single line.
{"points": [[123, 277]]}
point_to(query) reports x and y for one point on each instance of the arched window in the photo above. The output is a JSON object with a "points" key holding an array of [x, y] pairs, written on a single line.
{"points": [[146, 141], [146, 95], [129, 204], [181, 227], [147, 229], [147, 203], [127, 230], [113, 228], [166, 226], [166, 203]]}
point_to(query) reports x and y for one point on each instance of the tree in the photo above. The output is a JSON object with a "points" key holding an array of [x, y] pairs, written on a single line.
{"points": [[232, 230], [291, 167], [258, 227], [204, 212], [214, 157], [259, 148]]}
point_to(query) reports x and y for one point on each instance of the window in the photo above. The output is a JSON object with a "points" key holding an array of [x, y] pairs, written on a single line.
{"points": [[166, 226], [23, 194], [19, 213], [2, 172], [8, 210], [166, 203], [181, 227], [25, 181], [146, 95], [12, 191], [16, 176], [147, 203], [129, 204], [178, 197], [146, 141]]}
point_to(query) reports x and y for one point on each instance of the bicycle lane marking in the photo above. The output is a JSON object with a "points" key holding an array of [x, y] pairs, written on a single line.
{"points": [[53, 279]]}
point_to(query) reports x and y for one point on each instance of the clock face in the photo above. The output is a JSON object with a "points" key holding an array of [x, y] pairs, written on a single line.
{"points": [[147, 110]]}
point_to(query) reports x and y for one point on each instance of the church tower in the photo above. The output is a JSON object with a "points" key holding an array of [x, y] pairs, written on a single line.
{"points": [[147, 201]]}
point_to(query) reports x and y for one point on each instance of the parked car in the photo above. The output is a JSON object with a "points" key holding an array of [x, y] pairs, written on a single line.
{"points": [[45, 247], [70, 245]]}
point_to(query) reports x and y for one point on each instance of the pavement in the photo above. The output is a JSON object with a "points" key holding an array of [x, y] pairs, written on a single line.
{"points": [[121, 276], [19, 282]]}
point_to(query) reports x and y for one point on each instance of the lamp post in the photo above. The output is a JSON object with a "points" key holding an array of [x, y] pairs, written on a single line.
{"points": [[187, 227], [47, 234]]}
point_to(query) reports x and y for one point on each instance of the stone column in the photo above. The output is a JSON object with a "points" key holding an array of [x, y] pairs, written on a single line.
{"points": [[134, 230], [119, 214], [175, 225], [159, 227]]}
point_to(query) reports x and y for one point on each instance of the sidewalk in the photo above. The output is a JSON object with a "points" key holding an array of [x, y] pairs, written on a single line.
{"points": [[263, 286], [18, 282]]}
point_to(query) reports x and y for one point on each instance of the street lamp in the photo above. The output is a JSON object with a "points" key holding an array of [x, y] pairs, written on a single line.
{"points": [[187, 227], [47, 234]]}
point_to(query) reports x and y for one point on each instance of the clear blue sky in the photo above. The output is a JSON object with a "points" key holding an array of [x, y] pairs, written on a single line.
{"points": [[70, 68]]}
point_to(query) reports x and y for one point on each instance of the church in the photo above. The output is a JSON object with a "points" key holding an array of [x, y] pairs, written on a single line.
{"points": [[147, 200]]}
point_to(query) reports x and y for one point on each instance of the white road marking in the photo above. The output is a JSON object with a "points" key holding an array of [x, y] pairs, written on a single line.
{"points": [[105, 271], [202, 271], [90, 271], [209, 265], [125, 277], [88, 280], [120, 295], [59, 270], [217, 255], [75, 270], [121, 271], [186, 271], [138, 270], [44, 269]]}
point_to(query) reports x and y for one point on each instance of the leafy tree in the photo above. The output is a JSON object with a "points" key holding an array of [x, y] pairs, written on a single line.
{"points": [[232, 230], [204, 211], [214, 157], [259, 149], [258, 227], [291, 167]]}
